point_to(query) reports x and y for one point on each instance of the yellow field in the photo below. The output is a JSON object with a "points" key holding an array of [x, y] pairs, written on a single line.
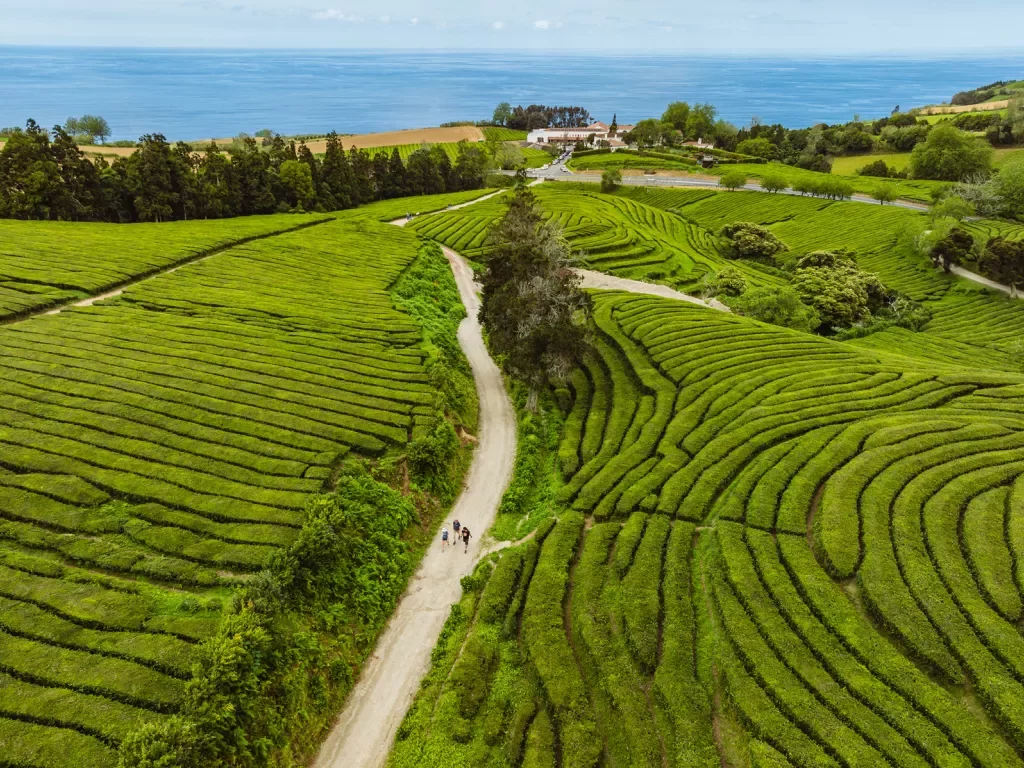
{"points": [[983, 107], [412, 136]]}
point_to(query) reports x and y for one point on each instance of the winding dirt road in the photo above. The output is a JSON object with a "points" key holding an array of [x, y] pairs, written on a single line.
{"points": [[362, 736]]}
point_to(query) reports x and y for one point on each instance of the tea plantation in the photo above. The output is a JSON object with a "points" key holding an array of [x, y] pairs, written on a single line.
{"points": [[156, 449], [758, 547], [770, 545], [43, 263]]}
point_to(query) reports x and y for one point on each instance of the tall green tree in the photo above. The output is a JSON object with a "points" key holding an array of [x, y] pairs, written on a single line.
{"points": [[951, 249], [502, 113], [297, 179], [533, 309], [149, 179], [678, 114], [30, 181], [1003, 261], [218, 185], [949, 154], [701, 121]]}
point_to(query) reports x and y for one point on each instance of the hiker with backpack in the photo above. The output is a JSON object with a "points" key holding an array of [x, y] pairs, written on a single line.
{"points": [[444, 539], [466, 536]]}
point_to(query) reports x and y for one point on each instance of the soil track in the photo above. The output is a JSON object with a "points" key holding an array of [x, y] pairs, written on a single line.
{"points": [[413, 136], [363, 735]]}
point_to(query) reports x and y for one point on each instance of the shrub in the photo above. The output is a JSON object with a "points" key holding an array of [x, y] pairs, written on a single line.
{"points": [[745, 240], [778, 306], [877, 168], [610, 180], [733, 180]]}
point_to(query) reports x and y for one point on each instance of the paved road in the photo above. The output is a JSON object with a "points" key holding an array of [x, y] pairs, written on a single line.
{"points": [[968, 275], [556, 174]]}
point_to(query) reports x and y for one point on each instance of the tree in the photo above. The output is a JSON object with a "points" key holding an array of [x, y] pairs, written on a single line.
{"points": [[727, 282], [733, 180], [701, 121], [838, 294], [951, 249], [646, 133], [745, 240], [952, 207], [677, 113], [94, 127], [614, 127], [508, 156], [949, 154], [778, 306], [610, 179], [298, 181], [149, 179], [1009, 185], [884, 193], [774, 181], [502, 113], [1003, 261], [878, 168], [759, 147], [532, 307]]}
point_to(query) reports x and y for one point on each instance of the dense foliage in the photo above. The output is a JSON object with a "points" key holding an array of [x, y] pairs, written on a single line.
{"points": [[532, 307], [42, 178]]}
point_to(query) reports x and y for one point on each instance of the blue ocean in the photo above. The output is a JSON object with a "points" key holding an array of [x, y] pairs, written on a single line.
{"points": [[198, 94]]}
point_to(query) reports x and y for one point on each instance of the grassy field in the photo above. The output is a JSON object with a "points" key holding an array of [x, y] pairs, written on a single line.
{"points": [[156, 449], [848, 166], [771, 549]]}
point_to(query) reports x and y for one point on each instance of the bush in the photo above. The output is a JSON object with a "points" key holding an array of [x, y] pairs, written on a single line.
{"points": [[733, 180], [610, 180], [746, 240], [727, 282], [877, 168], [949, 154], [778, 306]]}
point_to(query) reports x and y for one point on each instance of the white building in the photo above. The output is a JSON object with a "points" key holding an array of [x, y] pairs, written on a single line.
{"points": [[599, 131]]}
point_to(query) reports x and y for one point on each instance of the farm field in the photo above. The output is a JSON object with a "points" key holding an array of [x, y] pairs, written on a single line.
{"points": [[772, 549], [156, 449], [849, 165], [43, 263], [497, 133]]}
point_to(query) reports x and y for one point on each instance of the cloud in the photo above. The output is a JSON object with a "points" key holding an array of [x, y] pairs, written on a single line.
{"points": [[332, 14], [498, 25], [384, 19], [414, 21], [666, 29], [542, 24]]}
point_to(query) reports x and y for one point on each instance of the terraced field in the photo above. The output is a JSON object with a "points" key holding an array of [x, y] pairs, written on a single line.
{"points": [[155, 449], [43, 263], [614, 234], [773, 550]]}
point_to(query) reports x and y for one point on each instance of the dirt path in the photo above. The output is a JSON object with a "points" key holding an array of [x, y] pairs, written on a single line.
{"points": [[362, 736], [968, 275], [607, 282]]}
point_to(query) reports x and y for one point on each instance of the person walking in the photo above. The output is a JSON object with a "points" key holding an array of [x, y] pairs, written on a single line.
{"points": [[444, 539], [456, 525], [466, 536]]}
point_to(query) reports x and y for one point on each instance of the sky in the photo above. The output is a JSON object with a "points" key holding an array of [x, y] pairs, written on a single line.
{"points": [[680, 26]]}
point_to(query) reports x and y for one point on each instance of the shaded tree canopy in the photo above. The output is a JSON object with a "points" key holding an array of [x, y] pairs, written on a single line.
{"points": [[533, 308]]}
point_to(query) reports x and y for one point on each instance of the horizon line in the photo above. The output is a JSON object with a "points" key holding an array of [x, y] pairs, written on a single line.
{"points": [[564, 52]]}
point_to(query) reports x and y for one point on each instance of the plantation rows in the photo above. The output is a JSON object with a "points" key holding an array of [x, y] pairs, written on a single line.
{"points": [[158, 447], [618, 235], [797, 553], [44, 263]]}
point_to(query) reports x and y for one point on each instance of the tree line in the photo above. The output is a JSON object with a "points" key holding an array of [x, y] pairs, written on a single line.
{"points": [[540, 116], [44, 175]]}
